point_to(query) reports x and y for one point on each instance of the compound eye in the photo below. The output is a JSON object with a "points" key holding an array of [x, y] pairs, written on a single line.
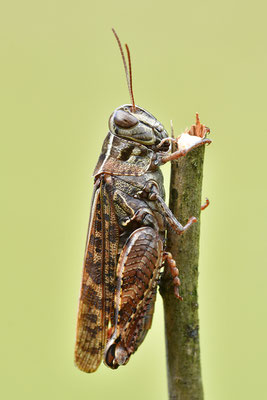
{"points": [[124, 119]]}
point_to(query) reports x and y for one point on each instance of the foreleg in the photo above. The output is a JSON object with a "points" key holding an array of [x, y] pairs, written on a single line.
{"points": [[188, 141], [183, 152]]}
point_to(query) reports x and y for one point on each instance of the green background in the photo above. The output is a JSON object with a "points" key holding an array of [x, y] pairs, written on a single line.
{"points": [[61, 78]]}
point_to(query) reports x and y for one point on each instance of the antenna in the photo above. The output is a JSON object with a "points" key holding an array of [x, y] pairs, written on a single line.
{"points": [[129, 78]]}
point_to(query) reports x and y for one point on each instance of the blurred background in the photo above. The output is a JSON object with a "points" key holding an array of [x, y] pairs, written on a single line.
{"points": [[61, 78]]}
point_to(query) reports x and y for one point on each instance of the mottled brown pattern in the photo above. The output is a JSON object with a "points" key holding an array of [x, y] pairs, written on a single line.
{"points": [[125, 241], [141, 322], [97, 290], [110, 236], [138, 272]]}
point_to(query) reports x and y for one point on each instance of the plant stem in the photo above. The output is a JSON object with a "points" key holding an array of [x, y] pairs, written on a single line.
{"points": [[181, 317]]}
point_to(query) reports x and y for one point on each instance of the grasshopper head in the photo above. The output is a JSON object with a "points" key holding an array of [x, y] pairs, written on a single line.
{"points": [[137, 125], [133, 123]]}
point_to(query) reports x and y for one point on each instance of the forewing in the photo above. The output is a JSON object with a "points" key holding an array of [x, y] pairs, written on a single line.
{"points": [[90, 335], [98, 281], [110, 250]]}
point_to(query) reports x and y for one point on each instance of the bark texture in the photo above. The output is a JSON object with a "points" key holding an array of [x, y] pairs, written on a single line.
{"points": [[181, 317]]}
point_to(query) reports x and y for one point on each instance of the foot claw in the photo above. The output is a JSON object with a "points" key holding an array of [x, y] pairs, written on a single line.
{"points": [[205, 205]]}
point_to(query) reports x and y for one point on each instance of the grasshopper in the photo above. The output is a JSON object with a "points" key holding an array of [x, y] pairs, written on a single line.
{"points": [[125, 242]]}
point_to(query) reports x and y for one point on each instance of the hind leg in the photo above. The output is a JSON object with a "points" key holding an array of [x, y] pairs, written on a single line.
{"points": [[168, 258], [137, 276]]}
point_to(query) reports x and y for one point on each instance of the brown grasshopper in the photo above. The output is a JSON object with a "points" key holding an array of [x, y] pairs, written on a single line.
{"points": [[125, 241]]}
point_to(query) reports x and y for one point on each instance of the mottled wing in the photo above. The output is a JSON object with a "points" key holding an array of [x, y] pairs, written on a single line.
{"points": [[90, 335], [110, 249], [96, 299]]}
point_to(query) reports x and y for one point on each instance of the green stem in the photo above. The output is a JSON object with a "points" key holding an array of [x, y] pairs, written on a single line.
{"points": [[181, 317]]}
